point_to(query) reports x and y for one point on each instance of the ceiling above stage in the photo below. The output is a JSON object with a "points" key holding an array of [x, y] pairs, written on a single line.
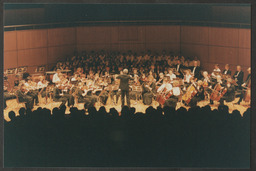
{"points": [[18, 14]]}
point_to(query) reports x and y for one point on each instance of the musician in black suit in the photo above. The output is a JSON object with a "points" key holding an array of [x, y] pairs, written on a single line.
{"points": [[244, 86], [148, 91], [7, 96], [23, 97], [239, 76], [124, 86], [199, 95], [227, 70], [63, 97], [195, 70], [178, 68], [229, 96], [82, 97]]}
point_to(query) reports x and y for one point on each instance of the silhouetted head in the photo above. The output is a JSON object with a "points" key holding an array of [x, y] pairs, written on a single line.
{"points": [[12, 115], [125, 112], [113, 112], [22, 112]]}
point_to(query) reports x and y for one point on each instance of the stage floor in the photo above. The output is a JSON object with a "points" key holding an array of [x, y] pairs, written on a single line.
{"points": [[139, 106]]}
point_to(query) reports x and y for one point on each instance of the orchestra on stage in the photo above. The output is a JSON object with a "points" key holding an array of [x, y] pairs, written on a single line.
{"points": [[146, 78]]}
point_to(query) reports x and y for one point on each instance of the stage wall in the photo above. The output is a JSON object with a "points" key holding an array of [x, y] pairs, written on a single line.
{"points": [[47, 46]]}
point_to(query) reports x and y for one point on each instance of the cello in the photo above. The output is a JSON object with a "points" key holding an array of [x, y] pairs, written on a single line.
{"points": [[191, 92], [247, 95], [218, 92], [163, 96]]}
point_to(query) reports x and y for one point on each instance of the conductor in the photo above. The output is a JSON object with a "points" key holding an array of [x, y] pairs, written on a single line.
{"points": [[124, 86]]}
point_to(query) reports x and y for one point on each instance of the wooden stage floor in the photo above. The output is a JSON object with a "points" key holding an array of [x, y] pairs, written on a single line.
{"points": [[140, 107]]}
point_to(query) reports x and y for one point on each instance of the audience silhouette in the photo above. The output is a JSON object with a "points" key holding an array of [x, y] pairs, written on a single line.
{"points": [[161, 137]]}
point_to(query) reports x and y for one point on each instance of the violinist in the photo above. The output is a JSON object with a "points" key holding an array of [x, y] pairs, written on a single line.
{"points": [[148, 91], [83, 97], [245, 86], [59, 95], [76, 77], [83, 78], [103, 94], [42, 85], [136, 89], [7, 96], [31, 90], [135, 75], [56, 76], [23, 97], [229, 96]]}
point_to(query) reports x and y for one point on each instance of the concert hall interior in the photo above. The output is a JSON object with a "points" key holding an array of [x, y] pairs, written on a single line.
{"points": [[138, 60]]}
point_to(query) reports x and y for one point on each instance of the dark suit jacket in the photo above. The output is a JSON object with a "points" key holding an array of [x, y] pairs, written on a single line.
{"points": [[230, 94], [228, 72], [181, 67], [248, 79], [56, 94], [200, 93], [240, 77], [124, 81], [21, 95], [197, 72]]}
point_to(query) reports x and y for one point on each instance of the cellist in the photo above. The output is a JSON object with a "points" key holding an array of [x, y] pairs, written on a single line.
{"points": [[218, 82], [229, 96], [176, 92], [199, 95]]}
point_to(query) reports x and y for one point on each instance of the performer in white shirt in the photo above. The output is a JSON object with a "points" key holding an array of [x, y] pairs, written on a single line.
{"points": [[171, 74], [42, 86], [166, 85], [187, 77], [216, 70], [56, 77], [42, 83], [176, 92]]}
